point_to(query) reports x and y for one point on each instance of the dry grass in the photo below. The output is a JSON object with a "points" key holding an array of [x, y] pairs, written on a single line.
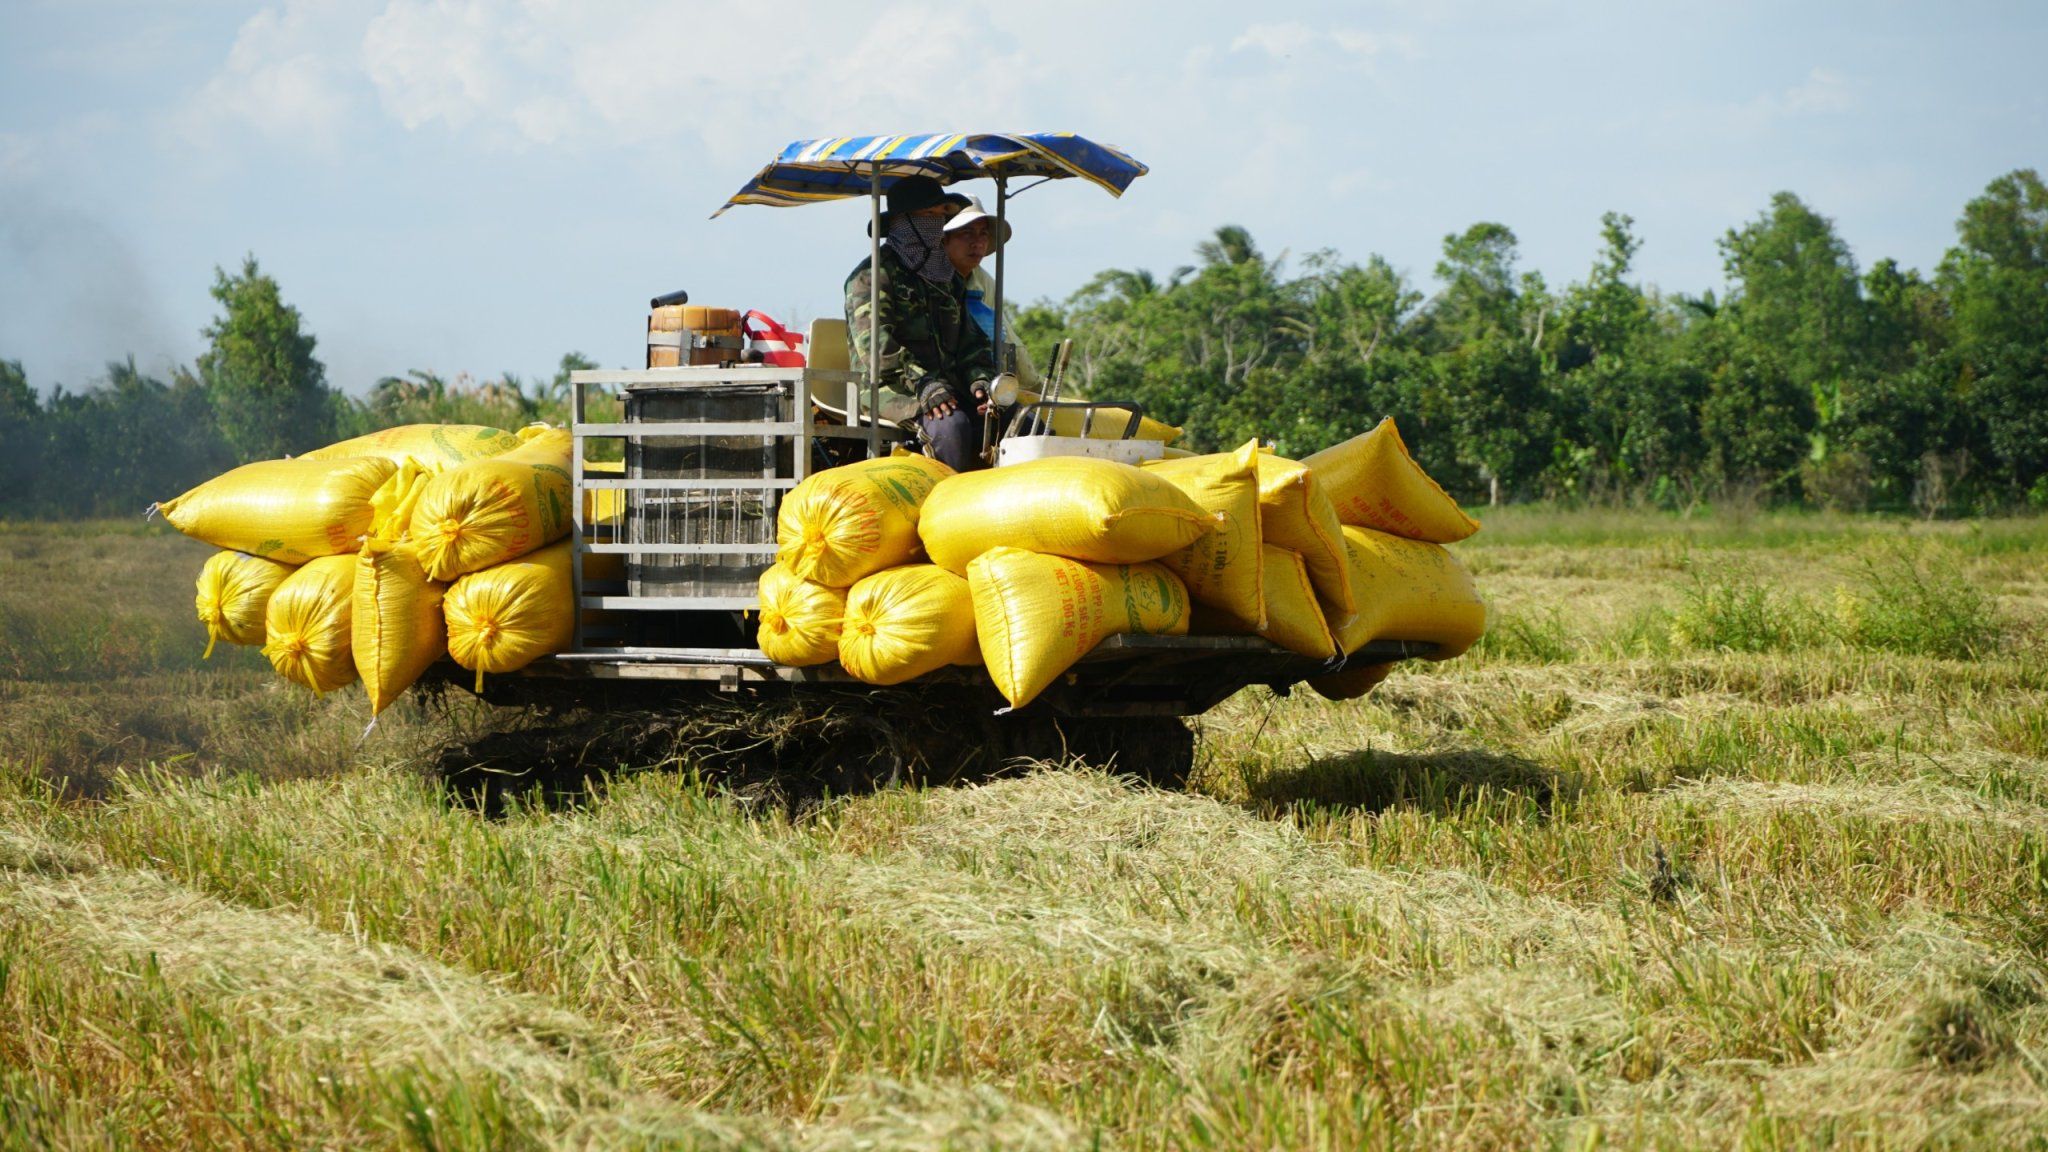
{"points": [[1624, 878]]}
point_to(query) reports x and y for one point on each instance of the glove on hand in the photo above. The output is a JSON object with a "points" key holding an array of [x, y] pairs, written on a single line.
{"points": [[931, 393]]}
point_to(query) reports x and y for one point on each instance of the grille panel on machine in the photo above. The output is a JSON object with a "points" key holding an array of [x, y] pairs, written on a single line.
{"points": [[716, 515]]}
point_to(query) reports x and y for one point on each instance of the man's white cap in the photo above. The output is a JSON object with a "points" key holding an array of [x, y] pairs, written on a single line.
{"points": [[973, 212]]}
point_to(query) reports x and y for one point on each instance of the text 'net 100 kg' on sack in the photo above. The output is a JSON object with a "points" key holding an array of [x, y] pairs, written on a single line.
{"points": [[844, 523], [1098, 511]]}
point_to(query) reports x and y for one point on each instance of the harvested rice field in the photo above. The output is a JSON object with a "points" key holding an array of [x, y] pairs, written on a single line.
{"points": [[1733, 833]]}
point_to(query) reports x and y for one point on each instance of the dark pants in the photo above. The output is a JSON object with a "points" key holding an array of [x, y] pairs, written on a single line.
{"points": [[955, 439]]}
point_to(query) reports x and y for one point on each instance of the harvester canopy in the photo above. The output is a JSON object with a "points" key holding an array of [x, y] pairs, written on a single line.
{"points": [[840, 167]]}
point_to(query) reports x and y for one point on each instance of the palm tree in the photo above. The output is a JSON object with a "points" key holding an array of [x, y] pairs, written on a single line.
{"points": [[1232, 244]]}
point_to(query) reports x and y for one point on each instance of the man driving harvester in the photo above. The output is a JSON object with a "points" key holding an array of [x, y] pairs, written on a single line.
{"points": [[930, 351]]}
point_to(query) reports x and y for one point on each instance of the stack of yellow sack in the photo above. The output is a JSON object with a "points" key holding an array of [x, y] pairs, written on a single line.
{"points": [[897, 568], [1396, 521], [372, 558], [1349, 551], [849, 582]]}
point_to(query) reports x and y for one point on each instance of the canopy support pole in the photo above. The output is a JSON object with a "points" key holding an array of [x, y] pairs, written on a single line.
{"points": [[1002, 198], [875, 312]]}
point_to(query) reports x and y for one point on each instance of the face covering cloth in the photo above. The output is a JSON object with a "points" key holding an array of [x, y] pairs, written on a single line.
{"points": [[919, 241]]}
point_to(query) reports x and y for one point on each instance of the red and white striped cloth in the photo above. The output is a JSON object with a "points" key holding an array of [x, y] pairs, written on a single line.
{"points": [[778, 346]]}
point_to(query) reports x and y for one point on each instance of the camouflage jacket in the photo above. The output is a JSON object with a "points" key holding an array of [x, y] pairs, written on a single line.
{"points": [[925, 329]]}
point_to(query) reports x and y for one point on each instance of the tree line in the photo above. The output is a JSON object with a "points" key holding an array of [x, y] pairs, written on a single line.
{"points": [[1807, 380], [258, 392]]}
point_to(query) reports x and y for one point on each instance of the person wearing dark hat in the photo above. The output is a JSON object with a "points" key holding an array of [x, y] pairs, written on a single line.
{"points": [[929, 349]]}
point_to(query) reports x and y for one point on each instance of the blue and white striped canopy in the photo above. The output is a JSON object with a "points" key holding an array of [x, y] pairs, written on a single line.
{"points": [[810, 171]]}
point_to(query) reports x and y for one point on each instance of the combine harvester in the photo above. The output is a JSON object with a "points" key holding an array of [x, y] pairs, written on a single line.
{"points": [[710, 449], [720, 475]]}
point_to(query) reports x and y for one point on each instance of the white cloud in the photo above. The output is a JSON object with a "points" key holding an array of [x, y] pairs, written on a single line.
{"points": [[1369, 44], [514, 74], [464, 62], [431, 61], [1359, 183], [1280, 40], [282, 79], [1291, 39], [1823, 92]]}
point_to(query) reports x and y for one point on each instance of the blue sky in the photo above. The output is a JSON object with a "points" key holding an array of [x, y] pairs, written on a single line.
{"points": [[481, 185]]}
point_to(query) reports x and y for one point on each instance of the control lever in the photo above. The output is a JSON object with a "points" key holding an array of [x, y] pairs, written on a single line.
{"points": [[1055, 379]]}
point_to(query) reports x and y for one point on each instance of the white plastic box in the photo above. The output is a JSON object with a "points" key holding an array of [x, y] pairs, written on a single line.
{"points": [[1018, 449]]}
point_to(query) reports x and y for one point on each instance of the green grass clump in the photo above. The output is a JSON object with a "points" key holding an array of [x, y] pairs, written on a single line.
{"points": [[1737, 611], [1526, 638], [1912, 599], [1918, 601]]}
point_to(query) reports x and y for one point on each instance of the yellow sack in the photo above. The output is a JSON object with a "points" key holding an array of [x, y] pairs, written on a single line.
{"points": [[430, 446], [841, 524], [799, 619], [1410, 590], [1294, 513], [1035, 615], [284, 510], [905, 622], [1073, 506], [234, 589], [392, 503], [507, 616], [397, 630], [1294, 616], [604, 505], [490, 511], [1351, 683], [1108, 424], [1375, 483], [306, 624], [605, 509], [1223, 569]]}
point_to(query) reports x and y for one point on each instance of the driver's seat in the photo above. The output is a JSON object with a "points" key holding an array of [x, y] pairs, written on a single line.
{"points": [[827, 349], [826, 346]]}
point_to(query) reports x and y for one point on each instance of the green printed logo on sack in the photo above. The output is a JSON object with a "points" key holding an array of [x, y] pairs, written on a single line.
{"points": [[1154, 602]]}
